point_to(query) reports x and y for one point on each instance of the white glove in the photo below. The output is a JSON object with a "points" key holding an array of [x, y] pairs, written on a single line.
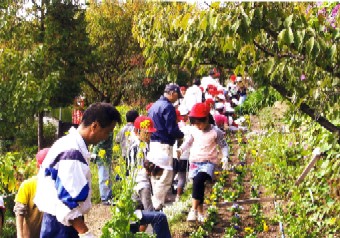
{"points": [[225, 163], [87, 234], [93, 156]]}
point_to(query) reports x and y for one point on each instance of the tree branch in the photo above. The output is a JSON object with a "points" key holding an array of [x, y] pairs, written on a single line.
{"points": [[310, 112]]}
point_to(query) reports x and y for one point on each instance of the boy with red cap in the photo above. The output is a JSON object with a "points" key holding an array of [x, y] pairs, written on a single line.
{"points": [[143, 128], [28, 217], [204, 140]]}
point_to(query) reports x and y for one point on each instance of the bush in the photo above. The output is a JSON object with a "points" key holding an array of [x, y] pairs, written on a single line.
{"points": [[262, 97]]}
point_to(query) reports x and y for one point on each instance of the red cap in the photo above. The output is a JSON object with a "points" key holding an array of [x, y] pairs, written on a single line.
{"points": [[183, 88], [144, 123], [209, 101], [199, 110], [233, 77], [40, 156]]}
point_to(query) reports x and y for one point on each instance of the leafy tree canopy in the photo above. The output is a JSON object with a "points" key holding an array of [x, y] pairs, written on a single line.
{"points": [[292, 47]]}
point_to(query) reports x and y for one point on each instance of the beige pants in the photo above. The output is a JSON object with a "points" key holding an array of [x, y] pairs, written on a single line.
{"points": [[161, 184]]}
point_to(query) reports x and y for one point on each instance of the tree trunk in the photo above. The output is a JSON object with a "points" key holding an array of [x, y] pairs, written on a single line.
{"points": [[40, 130]]}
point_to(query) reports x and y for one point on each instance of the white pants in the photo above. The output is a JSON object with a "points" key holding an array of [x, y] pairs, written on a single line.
{"points": [[161, 184]]}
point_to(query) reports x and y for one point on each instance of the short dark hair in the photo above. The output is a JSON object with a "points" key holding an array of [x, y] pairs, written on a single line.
{"points": [[195, 120], [103, 113], [131, 115], [197, 82]]}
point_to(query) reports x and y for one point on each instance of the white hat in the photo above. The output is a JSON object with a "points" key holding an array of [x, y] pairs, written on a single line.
{"points": [[238, 79], [219, 106], [183, 110], [229, 109], [2, 204], [221, 96], [161, 161]]}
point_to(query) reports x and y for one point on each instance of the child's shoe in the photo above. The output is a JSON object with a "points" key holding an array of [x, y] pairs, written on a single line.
{"points": [[200, 217], [192, 216]]}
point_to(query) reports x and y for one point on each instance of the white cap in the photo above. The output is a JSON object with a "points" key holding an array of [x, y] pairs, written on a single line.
{"points": [[221, 96], [229, 109], [238, 79], [219, 105], [2, 204]]}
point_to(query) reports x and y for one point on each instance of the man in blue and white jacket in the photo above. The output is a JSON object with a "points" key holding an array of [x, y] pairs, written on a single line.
{"points": [[64, 181]]}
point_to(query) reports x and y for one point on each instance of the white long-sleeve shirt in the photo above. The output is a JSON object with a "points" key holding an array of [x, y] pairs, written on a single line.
{"points": [[192, 96]]}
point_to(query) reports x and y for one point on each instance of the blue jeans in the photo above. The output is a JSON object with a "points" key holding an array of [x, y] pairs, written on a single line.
{"points": [[105, 184], [52, 228], [158, 221]]}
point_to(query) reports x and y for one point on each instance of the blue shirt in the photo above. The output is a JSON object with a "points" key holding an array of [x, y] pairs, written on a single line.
{"points": [[163, 115]]}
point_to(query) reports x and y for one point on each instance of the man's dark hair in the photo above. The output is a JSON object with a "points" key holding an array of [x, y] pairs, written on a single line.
{"points": [[197, 82], [103, 113], [131, 116]]}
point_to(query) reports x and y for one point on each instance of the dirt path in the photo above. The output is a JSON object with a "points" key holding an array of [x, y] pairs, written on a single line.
{"points": [[97, 217]]}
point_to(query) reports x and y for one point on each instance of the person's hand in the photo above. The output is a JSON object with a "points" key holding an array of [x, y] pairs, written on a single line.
{"points": [[225, 163], [179, 153], [87, 234]]}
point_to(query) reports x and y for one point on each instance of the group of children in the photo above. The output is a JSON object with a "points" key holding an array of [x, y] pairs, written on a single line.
{"points": [[203, 124], [196, 157]]}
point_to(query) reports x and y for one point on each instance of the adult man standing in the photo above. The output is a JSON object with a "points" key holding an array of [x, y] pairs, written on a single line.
{"points": [[163, 114], [192, 96], [64, 180]]}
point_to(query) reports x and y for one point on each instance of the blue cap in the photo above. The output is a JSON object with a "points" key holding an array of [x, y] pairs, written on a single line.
{"points": [[174, 88]]}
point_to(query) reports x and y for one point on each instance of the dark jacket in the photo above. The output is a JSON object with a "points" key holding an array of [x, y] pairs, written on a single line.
{"points": [[163, 114]]}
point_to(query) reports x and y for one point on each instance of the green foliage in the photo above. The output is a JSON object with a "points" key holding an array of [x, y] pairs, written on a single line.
{"points": [[284, 45], [117, 56], [26, 135], [255, 101], [15, 167], [279, 159]]}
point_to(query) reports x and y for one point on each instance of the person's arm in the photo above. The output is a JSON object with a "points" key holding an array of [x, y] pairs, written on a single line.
{"points": [[19, 220], [20, 210], [171, 123], [79, 225], [222, 142]]}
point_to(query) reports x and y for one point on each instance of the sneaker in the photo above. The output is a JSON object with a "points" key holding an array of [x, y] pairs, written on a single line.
{"points": [[108, 203], [200, 217], [192, 216]]}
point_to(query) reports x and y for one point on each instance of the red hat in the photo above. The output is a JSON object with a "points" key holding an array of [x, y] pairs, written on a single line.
{"points": [[147, 107], [233, 77], [183, 88], [209, 101], [40, 156], [213, 92], [199, 110], [144, 122]]}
